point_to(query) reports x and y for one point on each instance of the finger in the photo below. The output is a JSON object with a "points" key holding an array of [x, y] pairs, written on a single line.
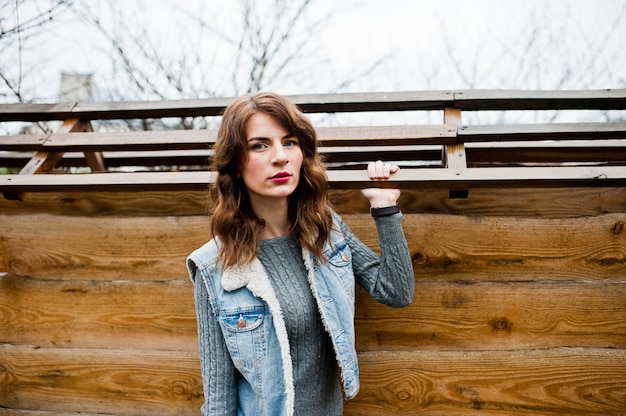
{"points": [[386, 170], [371, 170], [380, 168]]}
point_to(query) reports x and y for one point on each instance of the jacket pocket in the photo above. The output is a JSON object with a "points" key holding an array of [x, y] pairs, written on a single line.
{"points": [[244, 333], [340, 266], [339, 256]]}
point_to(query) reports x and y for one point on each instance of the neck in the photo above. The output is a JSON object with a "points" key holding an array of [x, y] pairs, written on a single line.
{"points": [[275, 217]]}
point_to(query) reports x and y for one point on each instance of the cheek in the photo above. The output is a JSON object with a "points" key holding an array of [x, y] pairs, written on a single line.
{"points": [[251, 168], [298, 159], [253, 162]]}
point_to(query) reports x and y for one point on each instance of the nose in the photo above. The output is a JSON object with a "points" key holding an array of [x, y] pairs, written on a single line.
{"points": [[280, 156]]}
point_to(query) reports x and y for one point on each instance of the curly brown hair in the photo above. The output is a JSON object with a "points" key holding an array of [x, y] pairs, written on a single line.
{"points": [[233, 220]]}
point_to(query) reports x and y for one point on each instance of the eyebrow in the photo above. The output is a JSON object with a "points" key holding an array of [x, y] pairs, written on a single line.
{"points": [[261, 138]]}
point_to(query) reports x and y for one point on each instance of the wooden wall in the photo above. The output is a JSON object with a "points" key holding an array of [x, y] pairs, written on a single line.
{"points": [[520, 305]]}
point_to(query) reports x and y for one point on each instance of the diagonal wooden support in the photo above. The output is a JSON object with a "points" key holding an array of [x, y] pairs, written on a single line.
{"points": [[44, 162], [454, 154], [95, 160]]}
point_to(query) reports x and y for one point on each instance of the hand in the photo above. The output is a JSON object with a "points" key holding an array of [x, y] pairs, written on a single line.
{"points": [[381, 197]]}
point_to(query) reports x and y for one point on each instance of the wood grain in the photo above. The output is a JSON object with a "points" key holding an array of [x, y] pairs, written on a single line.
{"points": [[571, 381], [119, 382], [443, 315], [408, 178], [379, 101], [456, 248], [535, 203], [564, 381], [442, 246], [496, 316], [91, 314], [109, 248]]}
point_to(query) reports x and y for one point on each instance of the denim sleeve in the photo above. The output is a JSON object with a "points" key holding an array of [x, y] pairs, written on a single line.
{"points": [[218, 371], [389, 277]]}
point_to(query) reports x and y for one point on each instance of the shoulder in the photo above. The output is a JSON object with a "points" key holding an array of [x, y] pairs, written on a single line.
{"points": [[202, 258], [337, 220], [337, 234]]}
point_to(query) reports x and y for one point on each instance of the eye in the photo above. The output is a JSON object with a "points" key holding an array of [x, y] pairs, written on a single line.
{"points": [[292, 141], [257, 146]]}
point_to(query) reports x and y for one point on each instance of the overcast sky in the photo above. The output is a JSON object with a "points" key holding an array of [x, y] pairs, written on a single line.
{"points": [[421, 44]]}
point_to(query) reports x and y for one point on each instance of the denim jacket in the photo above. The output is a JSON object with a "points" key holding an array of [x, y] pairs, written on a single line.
{"points": [[253, 327]]}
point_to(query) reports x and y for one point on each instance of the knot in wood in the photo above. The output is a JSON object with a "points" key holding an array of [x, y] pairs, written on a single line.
{"points": [[403, 395], [500, 324], [419, 258], [618, 227]]}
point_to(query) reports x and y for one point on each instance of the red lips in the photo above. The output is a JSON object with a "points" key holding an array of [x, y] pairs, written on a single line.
{"points": [[280, 177]]}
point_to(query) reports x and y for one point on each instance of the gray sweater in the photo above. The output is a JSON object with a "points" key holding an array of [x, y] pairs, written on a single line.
{"points": [[315, 370]]}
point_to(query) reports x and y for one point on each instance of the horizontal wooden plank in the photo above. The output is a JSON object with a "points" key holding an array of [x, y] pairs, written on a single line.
{"points": [[36, 112], [606, 99], [329, 103], [199, 157], [409, 178], [479, 154], [22, 142], [444, 315], [204, 139], [312, 103], [496, 316], [21, 412], [103, 204], [387, 135], [374, 101], [572, 381], [112, 382], [95, 314], [104, 248], [475, 249], [520, 177], [131, 141], [449, 247], [543, 131], [535, 203]]}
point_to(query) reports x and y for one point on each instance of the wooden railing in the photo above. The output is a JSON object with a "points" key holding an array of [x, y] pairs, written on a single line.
{"points": [[520, 300], [448, 155]]}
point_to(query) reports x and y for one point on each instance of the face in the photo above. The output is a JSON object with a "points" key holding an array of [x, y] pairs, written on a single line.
{"points": [[272, 169]]}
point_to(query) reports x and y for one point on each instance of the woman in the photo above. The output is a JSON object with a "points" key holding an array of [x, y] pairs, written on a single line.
{"points": [[274, 288]]}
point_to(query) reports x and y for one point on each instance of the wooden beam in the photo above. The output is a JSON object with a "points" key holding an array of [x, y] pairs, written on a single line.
{"points": [[95, 159], [454, 154], [23, 142], [310, 103], [483, 100], [204, 139], [436, 134], [409, 178], [520, 177], [610, 99], [133, 141], [543, 131], [36, 112], [507, 153]]}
